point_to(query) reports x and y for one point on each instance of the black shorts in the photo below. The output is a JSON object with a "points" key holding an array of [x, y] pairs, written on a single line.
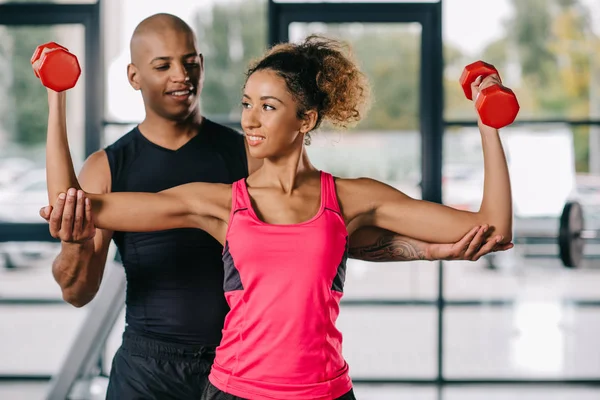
{"points": [[148, 369], [212, 393]]}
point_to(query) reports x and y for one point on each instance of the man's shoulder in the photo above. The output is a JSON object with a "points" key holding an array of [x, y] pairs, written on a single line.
{"points": [[222, 132], [123, 141]]}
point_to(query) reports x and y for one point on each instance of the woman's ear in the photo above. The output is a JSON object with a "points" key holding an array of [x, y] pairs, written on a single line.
{"points": [[309, 121]]}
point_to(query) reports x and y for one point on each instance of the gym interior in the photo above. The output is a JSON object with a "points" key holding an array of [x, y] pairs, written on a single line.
{"points": [[520, 324]]}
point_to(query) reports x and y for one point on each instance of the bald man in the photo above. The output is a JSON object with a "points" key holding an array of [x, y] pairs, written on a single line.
{"points": [[175, 305]]}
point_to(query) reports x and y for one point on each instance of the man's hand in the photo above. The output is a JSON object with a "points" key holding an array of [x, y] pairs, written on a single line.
{"points": [[472, 246], [71, 218], [378, 245]]}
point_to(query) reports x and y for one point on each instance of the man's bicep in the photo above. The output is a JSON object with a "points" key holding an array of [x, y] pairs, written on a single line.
{"points": [[95, 176]]}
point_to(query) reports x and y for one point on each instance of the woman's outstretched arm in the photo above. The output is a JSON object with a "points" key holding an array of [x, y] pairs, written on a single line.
{"points": [[196, 205], [369, 202]]}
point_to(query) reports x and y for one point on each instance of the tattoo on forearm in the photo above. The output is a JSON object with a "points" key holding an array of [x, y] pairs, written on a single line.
{"points": [[388, 248]]}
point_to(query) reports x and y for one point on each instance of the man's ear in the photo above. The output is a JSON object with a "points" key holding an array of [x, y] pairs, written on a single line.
{"points": [[201, 56], [133, 76]]}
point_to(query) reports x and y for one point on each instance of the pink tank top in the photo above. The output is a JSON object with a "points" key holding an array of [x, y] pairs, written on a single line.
{"points": [[283, 284]]}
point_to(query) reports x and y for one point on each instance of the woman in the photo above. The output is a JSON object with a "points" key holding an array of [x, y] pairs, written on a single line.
{"points": [[285, 228]]}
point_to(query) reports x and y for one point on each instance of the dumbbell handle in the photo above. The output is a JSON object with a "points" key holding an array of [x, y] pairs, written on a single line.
{"points": [[38, 63], [497, 105], [57, 68], [467, 78]]}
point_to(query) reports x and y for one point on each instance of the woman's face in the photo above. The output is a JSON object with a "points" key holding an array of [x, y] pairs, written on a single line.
{"points": [[269, 116]]}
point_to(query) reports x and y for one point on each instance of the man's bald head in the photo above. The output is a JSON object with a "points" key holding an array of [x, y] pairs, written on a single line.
{"points": [[152, 26], [166, 67]]}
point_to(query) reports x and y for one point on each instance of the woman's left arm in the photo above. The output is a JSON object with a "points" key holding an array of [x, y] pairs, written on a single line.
{"points": [[369, 202]]}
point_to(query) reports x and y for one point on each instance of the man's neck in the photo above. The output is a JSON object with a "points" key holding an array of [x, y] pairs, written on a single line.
{"points": [[170, 134]]}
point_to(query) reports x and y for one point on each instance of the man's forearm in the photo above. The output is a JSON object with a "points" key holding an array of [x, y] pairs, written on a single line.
{"points": [[390, 247], [74, 271]]}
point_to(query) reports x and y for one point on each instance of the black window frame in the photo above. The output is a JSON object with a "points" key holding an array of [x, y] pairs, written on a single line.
{"points": [[433, 125]]}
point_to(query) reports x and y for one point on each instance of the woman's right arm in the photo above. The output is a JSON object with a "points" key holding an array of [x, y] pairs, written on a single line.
{"points": [[195, 205]]}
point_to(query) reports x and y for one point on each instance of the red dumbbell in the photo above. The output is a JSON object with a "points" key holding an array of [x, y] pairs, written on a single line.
{"points": [[56, 67], [497, 105]]}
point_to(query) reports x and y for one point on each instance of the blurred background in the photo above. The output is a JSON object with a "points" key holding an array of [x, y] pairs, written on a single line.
{"points": [[516, 325]]}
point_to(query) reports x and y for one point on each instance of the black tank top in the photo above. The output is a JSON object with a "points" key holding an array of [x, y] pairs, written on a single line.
{"points": [[175, 277]]}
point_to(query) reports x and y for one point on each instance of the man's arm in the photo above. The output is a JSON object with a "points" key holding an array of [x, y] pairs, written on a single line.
{"points": [[380, 245], [79, 267]]}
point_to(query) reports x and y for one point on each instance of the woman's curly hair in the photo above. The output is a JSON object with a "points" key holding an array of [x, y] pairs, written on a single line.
{"points": [[322, 75]]}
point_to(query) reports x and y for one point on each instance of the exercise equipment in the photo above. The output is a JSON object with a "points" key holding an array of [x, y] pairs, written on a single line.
{"points": [[55, 66], [571, 235], [497, 105]]}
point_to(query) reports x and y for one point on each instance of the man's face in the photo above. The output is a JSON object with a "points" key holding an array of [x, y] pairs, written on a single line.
{"points": [[168, 70]]}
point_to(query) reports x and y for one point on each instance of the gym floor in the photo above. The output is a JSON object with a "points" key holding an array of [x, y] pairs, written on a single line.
{"points": [[529, 318]]}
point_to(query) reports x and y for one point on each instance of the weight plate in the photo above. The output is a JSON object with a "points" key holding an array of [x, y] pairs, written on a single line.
{"points": [[570, 242]]}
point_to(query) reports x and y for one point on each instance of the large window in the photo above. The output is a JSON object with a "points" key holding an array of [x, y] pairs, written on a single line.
{"points": [[55, 1], [24, 114], [515, 317], [37, 326], [534, 310]]}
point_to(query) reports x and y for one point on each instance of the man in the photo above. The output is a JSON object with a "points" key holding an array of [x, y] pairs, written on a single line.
{"points": [[175, 305]]}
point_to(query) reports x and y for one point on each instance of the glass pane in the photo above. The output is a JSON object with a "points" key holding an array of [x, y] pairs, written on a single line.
{"points": [[25, 269], [519, 392], [24, 115], [546, 51], [385, 146], [390, 342], [534, 339], [542, 336], [356, 1], [23, 119], [395, 392], [51, 1], [230, 34], [520, 274], [415, 280], [540, 190], [23, 390], [34, 340]]}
